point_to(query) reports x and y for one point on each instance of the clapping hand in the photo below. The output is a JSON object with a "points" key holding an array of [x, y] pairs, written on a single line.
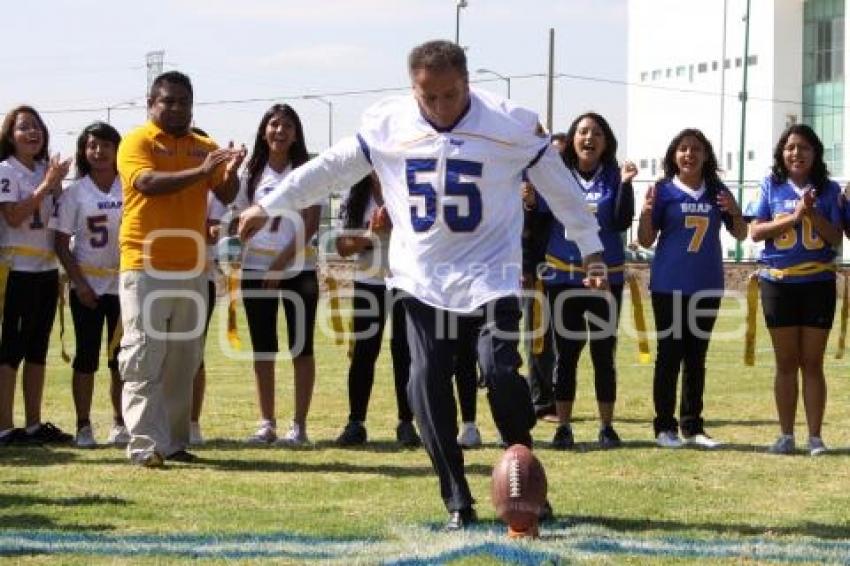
{"points": [[726, 202], [628, 172]]}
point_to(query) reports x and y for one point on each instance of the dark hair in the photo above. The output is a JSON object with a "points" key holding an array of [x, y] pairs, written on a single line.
{"points": [[356, 202], [819, 175], [438, 55], [608, 159], [7, 132], [101, 131], [174, 77], [260, 153], [709, 167]]}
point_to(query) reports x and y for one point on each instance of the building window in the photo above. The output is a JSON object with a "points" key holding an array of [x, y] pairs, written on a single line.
{"points": [[643, 76], [714, 65], [680, 71], [644, 163], [702, 67], [728, 160], [668, 73], [654, 167], [737, 62], [691, 73], [823, 77], [656, 74], [752, 60], [727, 64], [751, 155]]}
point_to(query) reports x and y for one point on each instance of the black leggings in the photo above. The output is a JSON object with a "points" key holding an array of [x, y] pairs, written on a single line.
{"points": [[299, 295], [370, 305], [570, 306], [30, 307], [88, 331], [682, 340]]}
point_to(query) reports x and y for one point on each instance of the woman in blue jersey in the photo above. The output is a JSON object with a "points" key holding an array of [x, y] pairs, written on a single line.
{"points": [[578, 315], [798, 218], [685, 211]]}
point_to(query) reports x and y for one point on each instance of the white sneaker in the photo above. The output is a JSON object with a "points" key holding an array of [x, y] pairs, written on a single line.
{"points": [[118, 435], [295, 436], [668, 439], [816, 446], [783, 445], [702, 440], [265, 434], [195, 436], [469, 436], [85, 438]]}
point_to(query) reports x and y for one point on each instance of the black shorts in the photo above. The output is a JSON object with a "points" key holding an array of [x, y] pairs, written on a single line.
{"points": [[28, 313], [300, 297], [88, 331], [798, 304]]}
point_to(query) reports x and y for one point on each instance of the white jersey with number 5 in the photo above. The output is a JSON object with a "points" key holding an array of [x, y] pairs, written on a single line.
{"points": [[453, 195], [28, 246], [93, 218]]}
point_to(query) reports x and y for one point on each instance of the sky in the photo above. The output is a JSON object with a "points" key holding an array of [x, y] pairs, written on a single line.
{"points": [[73, 60]]}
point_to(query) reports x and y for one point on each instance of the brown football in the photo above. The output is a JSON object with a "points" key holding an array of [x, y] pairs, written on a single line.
{"points": [[518, 488]]}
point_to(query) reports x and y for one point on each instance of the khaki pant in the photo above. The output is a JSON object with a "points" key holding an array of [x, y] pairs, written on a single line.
{"points": [[161, 351]]}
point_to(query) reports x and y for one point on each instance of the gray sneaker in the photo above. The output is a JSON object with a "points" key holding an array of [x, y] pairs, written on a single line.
{"points": [[295, 436], [816, 446], [783, 445]]}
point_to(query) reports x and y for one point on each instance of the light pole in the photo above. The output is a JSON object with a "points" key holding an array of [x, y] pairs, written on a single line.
{"points": [[110, 108], [460, 4], [501, 76], [330, 114]]}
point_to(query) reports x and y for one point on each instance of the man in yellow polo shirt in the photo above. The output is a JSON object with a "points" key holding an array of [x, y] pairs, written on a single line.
{"points": [[166, 171]]}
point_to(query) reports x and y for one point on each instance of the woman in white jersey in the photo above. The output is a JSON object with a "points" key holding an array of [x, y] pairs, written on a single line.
{"points": [[89, 211], [279, 266], [28, 185]]}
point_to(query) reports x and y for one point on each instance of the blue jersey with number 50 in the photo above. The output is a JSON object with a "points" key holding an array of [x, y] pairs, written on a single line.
{"points": [[688, 257], [801, 244]]}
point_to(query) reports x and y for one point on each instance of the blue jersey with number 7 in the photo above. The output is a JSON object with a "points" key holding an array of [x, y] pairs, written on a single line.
{"points": [[688, 257]]}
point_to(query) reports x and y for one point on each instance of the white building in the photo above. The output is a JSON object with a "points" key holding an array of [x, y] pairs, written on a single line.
{"points": [[686, 65]]}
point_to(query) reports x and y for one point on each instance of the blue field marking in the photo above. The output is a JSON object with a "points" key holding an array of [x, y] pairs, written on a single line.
{"points": [[422, 545]]}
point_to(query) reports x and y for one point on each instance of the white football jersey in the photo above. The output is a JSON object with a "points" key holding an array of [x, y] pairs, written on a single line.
{"points": [[453, 196], [93, 218], [215, 212], [29, 246], [278, 232]]}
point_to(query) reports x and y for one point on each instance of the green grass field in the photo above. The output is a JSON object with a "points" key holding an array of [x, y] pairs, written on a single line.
{"points": [[380, 504]]}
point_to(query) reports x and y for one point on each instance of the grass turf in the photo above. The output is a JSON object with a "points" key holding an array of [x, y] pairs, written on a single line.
{"points": [[380, 503]]}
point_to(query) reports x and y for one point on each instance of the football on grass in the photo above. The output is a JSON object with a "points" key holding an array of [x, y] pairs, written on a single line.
{"points": [[518, 488]]}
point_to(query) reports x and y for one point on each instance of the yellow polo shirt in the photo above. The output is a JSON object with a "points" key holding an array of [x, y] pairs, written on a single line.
{"points": [[149, 148]]}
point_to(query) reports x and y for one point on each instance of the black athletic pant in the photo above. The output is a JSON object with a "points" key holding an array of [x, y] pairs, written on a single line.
{"points": [[466, 377], [433, 349], [569, 305], [371, 303], [682, 343], [540, 366]]}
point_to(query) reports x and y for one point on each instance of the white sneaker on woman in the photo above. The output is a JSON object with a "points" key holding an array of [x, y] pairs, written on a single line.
{"points": [[295, 436], [265, 434], [668, 439]]}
